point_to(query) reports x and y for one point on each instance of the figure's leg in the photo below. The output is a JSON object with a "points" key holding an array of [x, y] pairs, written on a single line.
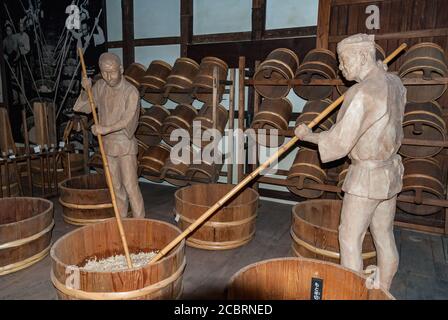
{"points": [[130, 181], [382, 229], [355, 219], [120, 192]]}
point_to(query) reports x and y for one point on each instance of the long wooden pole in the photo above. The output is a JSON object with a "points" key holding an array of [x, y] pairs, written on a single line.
{"points": [[106, 165], [255, 173]]}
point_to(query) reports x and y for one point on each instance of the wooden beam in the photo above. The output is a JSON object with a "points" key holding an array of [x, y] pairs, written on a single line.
{"points": [[156, 41], [127, 11], [3, 76], [258, 19], [186, 25], [346, 2], [290, 32], [441, 32], [323, 24]]}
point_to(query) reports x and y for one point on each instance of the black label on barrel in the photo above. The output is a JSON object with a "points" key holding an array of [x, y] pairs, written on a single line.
{"points": [[316, 288]]}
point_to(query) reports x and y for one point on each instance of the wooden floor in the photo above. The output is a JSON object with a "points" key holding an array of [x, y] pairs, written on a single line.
{"points": [[423, 272]]}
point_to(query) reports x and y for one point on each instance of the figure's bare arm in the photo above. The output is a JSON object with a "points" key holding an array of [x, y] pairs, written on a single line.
{"points": [[82, 103]]}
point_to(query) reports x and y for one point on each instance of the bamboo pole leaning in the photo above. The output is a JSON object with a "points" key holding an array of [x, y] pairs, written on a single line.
{"points": [[106, 165], [257, 171]]}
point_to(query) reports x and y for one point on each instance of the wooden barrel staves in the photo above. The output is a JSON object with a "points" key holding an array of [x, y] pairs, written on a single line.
{"points": [[85, 199], [134, 74], [315, 232], [296, 279], [341, 177], [181, 80], [160, 280], [203, 172], [10, 186], [312, 109], [204, 121], [231, 227], [424, 60], [153, 160], [422, 179], [149, 128], [317, 64], [25, 232], [306, 168], [177, 165], [280, 64], [180, 118], [272, 115], [154, 80], [203, 83], [423, 121]]}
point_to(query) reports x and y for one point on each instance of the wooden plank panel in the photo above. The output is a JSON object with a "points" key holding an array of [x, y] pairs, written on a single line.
{"points": [[418, 15], [323, 24], [442, 14], [128, 32]]}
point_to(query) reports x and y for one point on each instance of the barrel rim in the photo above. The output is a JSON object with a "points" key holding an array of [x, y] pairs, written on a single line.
{"points": [[161, 62], [163, 259], [329, 52], [306, 260], [291, 52], [63, 183], [211, 185], [46, 211], [187, 60]]}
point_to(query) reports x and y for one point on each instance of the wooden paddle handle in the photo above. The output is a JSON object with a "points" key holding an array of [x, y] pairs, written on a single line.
{"points": [[106, 166], [255, 173]]}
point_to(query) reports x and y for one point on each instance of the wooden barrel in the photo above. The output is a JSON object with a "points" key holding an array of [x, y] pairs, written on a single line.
{"points": [[341, 178], [280, 64], [380, 56], [315, 232], [203, 82], [154, 80], [296, 279], [312, 109], [273, 114], [149, 128], [230, 227], [181, 79], [318, 64], [10, 186], [160, 280], [181, 118], [424, 60], [153, 161], [96, 162], [177, 165], [205, 119], [306, 168], [423, 121], [25, 232], [422, 178], [85, 199], [134, 73], [204, 172]]}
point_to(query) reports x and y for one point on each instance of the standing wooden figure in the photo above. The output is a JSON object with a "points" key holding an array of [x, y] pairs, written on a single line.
{"points": [[369, 130], [118, 104]]}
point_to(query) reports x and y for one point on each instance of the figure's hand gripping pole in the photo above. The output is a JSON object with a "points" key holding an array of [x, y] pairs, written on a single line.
{"points": [[255, 173], [106, 165]]}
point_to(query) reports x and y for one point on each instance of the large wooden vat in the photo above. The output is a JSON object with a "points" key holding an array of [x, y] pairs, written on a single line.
{"points": [[425, 60], [134, 74], [85, 199], [160, 280], [317, 64], [204, 122], [153, 161], [315, 232], [423, 121], [306, 168], [293, 278], [149, 128], [275, 115], [280, 64], [179, 84], [203, 83], [181, 118], [422, 178], [25, 232], [312, 109], [154, 80], [230, 227]]}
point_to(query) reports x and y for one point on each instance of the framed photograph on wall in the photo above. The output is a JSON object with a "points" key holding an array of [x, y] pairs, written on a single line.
{"points": [[41, 64]]}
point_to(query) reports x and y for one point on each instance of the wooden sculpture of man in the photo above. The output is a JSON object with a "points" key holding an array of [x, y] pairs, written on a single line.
{"points": [[369, 130], [118, 105]]}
